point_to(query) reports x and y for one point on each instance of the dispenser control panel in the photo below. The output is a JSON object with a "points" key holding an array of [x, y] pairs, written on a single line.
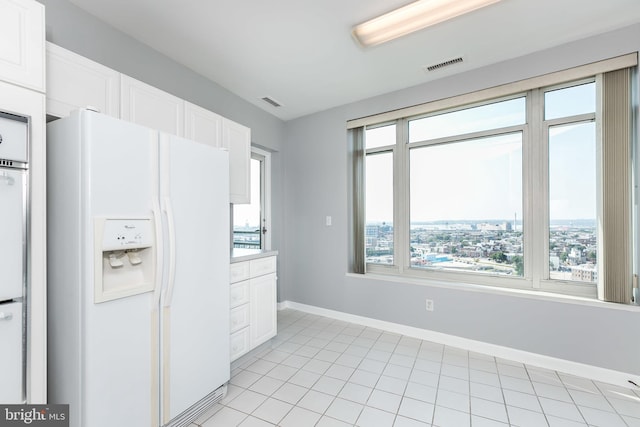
{"points": [[123, 234]]}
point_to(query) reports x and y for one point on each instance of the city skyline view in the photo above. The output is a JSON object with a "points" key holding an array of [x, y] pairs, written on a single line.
{"points": [[489, 247]]}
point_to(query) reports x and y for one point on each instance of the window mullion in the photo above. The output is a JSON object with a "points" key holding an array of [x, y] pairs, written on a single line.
{"points": [[536, 229], [401, 197]]}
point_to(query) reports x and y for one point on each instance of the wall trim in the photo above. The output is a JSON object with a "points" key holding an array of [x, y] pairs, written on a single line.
{"points": [[547, 362]]}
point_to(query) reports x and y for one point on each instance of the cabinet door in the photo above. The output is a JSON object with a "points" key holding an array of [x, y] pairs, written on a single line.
{"points": [[22, 43], [74, 81], [11, 387], [202, 125], [262, 309], [237, 139], [151, 107]]}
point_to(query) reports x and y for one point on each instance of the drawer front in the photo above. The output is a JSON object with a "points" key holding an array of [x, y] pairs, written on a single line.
{"points": [[262, 266], [239, 343], [11, 354], [239, 318], [239, 294], [239, 271]]}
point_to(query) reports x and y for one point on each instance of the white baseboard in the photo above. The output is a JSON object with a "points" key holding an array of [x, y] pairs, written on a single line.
{"points": [[533, 359]]}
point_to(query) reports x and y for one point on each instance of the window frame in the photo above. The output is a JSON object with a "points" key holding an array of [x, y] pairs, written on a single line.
{"points": [[535, 177], [264, 157]]}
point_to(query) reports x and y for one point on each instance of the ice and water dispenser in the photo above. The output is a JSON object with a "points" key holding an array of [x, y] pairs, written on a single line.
{"points": [[125, 262]]}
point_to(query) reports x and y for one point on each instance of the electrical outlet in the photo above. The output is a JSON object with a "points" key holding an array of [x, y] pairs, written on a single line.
{"points": [[429, 305]]}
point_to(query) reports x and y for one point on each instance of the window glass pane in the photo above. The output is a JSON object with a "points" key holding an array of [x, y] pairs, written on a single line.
{"points": [[570, 101], [573, 250], [466, 206], [379, 208], [380, 136], [247, 217], [476, 119]]}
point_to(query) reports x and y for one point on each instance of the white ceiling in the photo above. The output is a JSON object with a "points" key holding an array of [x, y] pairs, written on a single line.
{"points": [[300, 52]]}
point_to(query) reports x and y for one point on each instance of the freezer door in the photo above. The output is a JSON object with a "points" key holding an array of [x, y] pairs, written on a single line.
{"points": [[195, 321], [12, 232], [119, 181], [11, 361]]}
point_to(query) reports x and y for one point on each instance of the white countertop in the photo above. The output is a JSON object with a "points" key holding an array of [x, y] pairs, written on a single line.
{"points": [[240, 254]]}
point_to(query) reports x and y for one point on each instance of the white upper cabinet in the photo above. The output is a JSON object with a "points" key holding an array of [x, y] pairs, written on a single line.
{"points": [[22, 43], [202, 125], [74, 81], [237, 139], [151, 107]]}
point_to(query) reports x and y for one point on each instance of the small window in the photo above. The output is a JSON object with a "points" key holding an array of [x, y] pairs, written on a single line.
{"points": [[379, 208], [485, 117], [570, 101], [380, 137], [573, 247]]}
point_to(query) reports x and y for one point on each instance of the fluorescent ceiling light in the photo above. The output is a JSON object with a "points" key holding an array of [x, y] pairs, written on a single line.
{"points": [[413, 17]]}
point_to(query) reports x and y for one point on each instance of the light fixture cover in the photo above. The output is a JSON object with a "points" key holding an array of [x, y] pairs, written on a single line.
{"points": [[413, 17]]}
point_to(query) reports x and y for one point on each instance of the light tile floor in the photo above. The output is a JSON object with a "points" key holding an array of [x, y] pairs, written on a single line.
{"points": [[327, 373]]}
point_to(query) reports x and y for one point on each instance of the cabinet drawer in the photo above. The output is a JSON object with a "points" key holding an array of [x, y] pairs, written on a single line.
{"points": [[239, 294], [239, 271], [11, 354], [239, 343], [262, 266], [239, 318]]}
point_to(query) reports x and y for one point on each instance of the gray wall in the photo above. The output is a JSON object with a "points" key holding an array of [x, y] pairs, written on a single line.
{"points": [[310, 182], [72, 28], [314, 256]]}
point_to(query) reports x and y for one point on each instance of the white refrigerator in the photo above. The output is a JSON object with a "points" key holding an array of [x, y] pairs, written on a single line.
{"points": [[138, 273]]}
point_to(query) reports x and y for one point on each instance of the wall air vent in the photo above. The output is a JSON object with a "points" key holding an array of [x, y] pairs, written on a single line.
{"points": [[271, 101], [443, 64]]}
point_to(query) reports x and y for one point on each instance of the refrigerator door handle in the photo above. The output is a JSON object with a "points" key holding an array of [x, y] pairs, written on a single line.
{"points": [[6, 316], [172, 252], [157, 220]]}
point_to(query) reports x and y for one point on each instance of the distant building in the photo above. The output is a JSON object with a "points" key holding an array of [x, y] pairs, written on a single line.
{"points": [[372, 231], [584, 273], [576, 257], [486, 227]]}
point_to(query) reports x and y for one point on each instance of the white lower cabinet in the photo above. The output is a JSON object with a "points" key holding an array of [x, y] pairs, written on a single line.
{"points": [[262, 309], [239, 343], [253, 318], [11, 390]]}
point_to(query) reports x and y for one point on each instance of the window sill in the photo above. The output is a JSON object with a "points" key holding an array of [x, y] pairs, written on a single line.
{"points": [[542, 295]]}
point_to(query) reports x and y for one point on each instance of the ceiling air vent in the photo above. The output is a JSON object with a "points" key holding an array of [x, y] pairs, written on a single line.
{"points": [[443, 64], [271, 101]]}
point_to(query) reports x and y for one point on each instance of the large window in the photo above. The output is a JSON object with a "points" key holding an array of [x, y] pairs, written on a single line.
{"points": [[465, 180], [524, 190]]}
